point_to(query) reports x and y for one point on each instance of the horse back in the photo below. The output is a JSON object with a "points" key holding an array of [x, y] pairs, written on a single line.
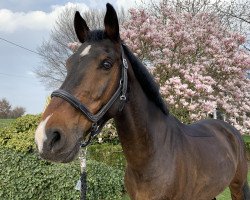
{"points": [[217, 129], [217, 136]]}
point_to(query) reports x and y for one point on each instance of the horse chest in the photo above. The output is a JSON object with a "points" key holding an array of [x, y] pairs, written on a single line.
{"points": [[150, 185]]}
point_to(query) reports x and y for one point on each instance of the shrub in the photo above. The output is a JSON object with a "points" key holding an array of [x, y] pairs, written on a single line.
{"points": [[23, 141], [5, 122], [247, 145], [24, 176], [19, 135], [110, 154], [104, 182], [6, 134], [26, 123]]}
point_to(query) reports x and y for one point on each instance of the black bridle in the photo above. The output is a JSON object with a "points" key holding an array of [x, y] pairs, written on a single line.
{"points": [[97, 119]]}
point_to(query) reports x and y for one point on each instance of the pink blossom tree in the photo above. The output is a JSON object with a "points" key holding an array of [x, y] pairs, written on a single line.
{"points": [[198, 63]]}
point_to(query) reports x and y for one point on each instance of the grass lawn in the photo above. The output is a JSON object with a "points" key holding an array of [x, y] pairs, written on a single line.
{"points": [[5, 122]]}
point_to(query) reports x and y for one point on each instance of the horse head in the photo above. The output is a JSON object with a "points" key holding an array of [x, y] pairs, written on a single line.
{"points": [[93, 79]]}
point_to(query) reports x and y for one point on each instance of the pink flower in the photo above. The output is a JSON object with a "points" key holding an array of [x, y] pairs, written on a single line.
{"points": [[199, 64]]}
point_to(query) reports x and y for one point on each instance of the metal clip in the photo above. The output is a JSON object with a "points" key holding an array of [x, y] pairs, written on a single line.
{"points": [[123, 97], [125, 63]]}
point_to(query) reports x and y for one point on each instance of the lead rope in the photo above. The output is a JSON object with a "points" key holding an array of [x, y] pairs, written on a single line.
{"points": [[82, 183]]}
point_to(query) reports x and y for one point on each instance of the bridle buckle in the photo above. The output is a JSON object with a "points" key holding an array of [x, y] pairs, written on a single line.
{"points": [[123, 98]]}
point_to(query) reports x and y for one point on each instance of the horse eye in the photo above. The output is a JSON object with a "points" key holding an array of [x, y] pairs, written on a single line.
{"points": [[106, 64]]}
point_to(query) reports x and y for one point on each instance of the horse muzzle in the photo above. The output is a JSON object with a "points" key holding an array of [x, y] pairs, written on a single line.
{"points": [[54, 145]]}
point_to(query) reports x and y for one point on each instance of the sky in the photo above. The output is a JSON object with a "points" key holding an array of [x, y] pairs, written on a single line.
{"points": [[28, 23]]}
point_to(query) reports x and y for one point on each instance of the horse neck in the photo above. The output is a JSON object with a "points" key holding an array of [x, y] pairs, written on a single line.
{"points": [[139, 126]]}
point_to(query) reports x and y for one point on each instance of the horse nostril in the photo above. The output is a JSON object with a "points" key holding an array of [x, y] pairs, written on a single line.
{"points": [[55, 138]]}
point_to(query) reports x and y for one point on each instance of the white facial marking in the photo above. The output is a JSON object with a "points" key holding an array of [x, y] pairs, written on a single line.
{"points": [[85, 51], [40, 135]]}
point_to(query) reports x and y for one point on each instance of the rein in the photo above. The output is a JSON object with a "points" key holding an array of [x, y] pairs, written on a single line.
{"points": [[97, 119]]}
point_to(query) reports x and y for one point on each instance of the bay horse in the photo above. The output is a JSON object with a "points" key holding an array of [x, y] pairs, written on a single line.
{"points": [[166, 159]]}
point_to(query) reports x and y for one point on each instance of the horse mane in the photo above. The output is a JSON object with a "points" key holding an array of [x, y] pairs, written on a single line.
{"points": [[146, 80]]}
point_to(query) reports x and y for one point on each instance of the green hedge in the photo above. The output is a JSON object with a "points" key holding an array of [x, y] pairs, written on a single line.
{"points": [[26, 123], [25, 176], [247, 141], [109, 154], [19, 135], [5, 122]]}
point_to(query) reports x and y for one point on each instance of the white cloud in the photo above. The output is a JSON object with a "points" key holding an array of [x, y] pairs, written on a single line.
{"points": [[32, 20], [11, 21], [127, 4]]}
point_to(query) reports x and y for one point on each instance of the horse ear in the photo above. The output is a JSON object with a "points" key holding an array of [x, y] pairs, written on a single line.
{"points": [[81, 27], [111, 23]]}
